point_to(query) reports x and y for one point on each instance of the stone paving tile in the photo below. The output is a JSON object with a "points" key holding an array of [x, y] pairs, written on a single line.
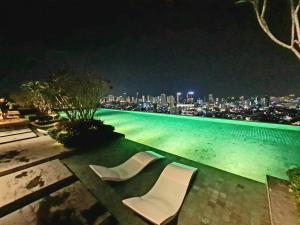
{"points": [[12, 132], [19, 154], [23, 183], [231, 200], [12, 123], [17, 137], [282, 203], [72, 205]]}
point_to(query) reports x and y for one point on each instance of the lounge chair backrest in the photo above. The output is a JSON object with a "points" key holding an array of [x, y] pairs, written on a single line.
{"points": [[161, 204], [143, 157], [172, 185], [127, 169], [136, 163]]}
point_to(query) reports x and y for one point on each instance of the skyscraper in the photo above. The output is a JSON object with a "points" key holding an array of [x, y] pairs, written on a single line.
{"points": [[137, 97], [190, 97], [178, 96], [210, 98], [163, 99], [111, 98], [171, 100], [200, 101], [124, 95]]}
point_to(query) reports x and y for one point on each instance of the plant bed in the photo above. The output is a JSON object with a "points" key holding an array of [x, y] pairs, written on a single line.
{"points": [[44, 119], [83, 133]]}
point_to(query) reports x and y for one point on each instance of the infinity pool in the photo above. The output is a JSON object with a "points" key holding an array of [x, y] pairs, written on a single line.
{"points": [[248, 149]]}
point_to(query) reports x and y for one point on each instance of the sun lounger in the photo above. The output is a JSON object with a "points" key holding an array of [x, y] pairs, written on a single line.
{"points": [[128, 169], [161, 204]]}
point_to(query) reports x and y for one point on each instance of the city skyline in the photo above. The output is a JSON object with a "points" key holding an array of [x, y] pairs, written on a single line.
{"points": [[279, 109], [195, 94]]}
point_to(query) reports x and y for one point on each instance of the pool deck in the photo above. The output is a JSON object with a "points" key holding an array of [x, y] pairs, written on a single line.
{"points": [[215, 197]]}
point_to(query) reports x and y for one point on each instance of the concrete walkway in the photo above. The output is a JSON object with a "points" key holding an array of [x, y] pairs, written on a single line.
{"points": [[37, 189], [73, 199], [283, 208], [25, 153]]}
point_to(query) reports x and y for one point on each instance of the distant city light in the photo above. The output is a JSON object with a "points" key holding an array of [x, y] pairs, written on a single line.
{"points": [[275, 109]]}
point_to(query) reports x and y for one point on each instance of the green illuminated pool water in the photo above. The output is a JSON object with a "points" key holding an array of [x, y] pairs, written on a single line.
{"points": [[248, 149]]}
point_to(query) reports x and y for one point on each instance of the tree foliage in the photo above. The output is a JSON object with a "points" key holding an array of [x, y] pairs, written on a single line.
{"points": [[77, 95], [37, 94], [23, 98], [260, 7]]}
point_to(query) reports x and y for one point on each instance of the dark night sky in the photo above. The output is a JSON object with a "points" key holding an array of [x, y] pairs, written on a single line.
{"points": [[150, 46]]}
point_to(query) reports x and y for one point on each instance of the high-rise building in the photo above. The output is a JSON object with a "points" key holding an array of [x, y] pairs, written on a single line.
{"points": [[156, 100], [265, 101], [178, 97], [190, 97], [111, 98], [163, 99], [210, 98], [171, 100], [124, 96], [119, 98], [133, 100], [256, 100], [143, 98], [150, 98], [200, 101], [137, 95], [247, 103]]}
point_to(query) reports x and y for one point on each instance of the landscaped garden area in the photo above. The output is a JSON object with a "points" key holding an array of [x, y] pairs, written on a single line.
{"points": [[65, 106]]}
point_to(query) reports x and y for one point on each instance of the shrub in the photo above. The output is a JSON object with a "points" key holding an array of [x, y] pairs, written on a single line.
{"points": [[294, 176], [75, 94], [82, 133]]}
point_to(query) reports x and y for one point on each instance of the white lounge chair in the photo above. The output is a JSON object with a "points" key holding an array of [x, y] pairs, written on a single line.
{"points": [[161, 204], [128, 169]]}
